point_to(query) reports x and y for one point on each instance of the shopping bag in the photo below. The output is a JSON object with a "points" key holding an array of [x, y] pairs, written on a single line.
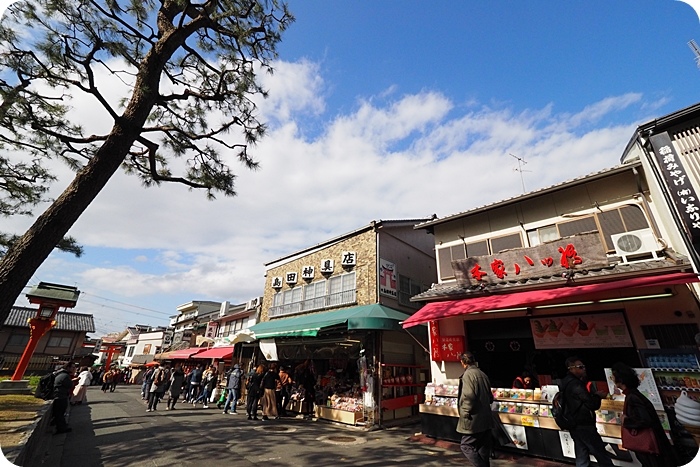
{"points": [[640, 440]]}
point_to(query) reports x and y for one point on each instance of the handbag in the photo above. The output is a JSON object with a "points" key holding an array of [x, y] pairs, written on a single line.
{"points": [[640, 440]]}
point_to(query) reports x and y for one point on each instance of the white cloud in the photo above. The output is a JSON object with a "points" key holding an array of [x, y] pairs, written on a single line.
{"points": [[410, 157]]}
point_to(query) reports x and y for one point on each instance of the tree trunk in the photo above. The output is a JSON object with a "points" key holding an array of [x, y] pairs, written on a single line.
{"points": [[32, 249]]}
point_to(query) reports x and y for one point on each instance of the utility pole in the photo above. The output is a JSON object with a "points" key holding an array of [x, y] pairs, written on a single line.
{"points": [[521, 163]]}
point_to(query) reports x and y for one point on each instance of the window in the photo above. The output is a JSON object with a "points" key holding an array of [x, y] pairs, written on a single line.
{"points": [[19, 340], [59, 341], [131, 351], [147, 349], [314, 295], [614, 221], [407, 289], [446, 256], [577, 226], [341, 289], [507, 242], [542, 235], [478, 248]]}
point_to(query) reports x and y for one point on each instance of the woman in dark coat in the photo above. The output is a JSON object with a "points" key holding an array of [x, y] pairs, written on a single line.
{"points": [[639, 412], [268, 396], [254, 390]]}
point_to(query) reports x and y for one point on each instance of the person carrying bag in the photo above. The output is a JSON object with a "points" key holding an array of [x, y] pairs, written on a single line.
{"points": [[642, 431]]}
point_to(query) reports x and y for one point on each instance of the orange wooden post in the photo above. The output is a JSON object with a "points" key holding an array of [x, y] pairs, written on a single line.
{"points": [[37, 329], [50, 297]]}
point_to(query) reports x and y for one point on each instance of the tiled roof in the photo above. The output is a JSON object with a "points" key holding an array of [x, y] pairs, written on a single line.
{"points": [[450, 291], [531, 194], [65, 321]]}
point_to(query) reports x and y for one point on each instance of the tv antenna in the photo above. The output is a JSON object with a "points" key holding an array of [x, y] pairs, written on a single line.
{"points": [[521, 163], [696, 50]]}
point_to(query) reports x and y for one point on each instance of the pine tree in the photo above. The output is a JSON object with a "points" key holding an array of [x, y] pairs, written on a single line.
{"points": [[192, 73]]}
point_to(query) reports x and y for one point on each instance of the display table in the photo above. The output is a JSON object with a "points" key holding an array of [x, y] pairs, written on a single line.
{"points": [[337, 415], [534, 431]]}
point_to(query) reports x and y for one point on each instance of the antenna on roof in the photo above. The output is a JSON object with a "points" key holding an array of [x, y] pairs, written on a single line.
{"points": [[520, 169], [696, 50]]}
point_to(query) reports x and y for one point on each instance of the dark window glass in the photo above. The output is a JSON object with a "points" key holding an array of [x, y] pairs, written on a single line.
{"points": [[506, 243], [578, 226]]}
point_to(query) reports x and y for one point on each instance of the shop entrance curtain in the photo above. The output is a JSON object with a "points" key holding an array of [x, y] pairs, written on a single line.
{"points": [[446, 309], [360, 317]]}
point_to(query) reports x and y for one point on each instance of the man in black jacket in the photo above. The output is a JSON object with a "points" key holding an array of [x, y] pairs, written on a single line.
{"points": [[581, 403], [62, 388]]}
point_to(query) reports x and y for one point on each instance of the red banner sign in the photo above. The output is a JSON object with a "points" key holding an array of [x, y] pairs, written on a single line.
{"points": [[435, 353], [451, 348]]}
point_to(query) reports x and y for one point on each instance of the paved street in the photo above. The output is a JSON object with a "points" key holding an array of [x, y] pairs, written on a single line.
{"points": [[115, 430]]}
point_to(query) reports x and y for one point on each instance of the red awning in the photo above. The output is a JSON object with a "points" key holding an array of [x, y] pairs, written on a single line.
{"points": [[446, 309], [220, 353], [184, 354]]}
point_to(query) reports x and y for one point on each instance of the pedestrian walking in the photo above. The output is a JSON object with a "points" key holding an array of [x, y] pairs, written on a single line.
{"points": [[147, 382], [639, 414], [269, 386], [474, 407], [209, 380], [177, 379], [62, 387], [157, 389], [107, 379], [233, 386], [80, 391], [195, 383], [253, 392], [286, 384], [580, 404]]}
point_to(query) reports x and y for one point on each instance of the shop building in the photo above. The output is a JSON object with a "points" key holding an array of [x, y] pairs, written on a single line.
{"points": [[61, 343], [142, 345], [336, 307], [228, 336], [191, 321], [580, 268]]}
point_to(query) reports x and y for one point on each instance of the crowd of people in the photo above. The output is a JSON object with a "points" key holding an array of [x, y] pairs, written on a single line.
{"points": [[268, 388], [580, 401]]}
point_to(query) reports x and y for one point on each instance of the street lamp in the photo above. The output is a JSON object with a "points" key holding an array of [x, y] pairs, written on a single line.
{"points": [[49, 297]]}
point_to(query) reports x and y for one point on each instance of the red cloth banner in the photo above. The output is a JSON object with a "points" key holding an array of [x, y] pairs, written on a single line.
{"points": [[435, 344]]}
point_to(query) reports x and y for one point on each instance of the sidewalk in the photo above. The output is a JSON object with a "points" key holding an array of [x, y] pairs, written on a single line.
{"points": [[114, 430]]}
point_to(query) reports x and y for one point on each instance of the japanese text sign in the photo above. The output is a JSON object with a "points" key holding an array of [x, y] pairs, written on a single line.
{"points": [[551, 258], [678, 185]]}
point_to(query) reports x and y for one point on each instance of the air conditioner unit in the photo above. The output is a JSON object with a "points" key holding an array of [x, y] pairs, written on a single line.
{"points": [[253, 304], [635, 242]]}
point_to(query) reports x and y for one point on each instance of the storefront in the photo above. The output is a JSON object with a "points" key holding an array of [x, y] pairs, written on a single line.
{"points": [[367, 369], [648, 321]]}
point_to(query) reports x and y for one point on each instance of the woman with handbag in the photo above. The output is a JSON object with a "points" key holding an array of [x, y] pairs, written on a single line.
{"points": [[642, 432]]}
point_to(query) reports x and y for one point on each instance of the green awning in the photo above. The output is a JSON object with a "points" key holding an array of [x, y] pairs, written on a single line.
{"points": [[377, 317]]}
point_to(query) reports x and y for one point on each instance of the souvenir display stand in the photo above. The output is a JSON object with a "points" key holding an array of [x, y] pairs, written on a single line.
{"points": [[524, 422]]}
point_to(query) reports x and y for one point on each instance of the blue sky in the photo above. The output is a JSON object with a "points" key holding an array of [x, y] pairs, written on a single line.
{"points": [[387, 110]]}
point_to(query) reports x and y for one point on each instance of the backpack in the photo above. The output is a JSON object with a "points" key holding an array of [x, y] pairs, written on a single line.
{"points": [[562, 417], [45, 388]]}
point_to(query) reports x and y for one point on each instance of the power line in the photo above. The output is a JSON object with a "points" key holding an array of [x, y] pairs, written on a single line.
{"points": [[82, 293], [121, 309], [128, 304]]}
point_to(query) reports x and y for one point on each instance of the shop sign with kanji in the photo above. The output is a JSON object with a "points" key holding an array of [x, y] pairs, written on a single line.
{"points": [[577, 252], [679, 186], [435, 349], [451, 348]]}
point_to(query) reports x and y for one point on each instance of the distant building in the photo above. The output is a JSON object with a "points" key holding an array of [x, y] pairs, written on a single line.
{"points": [[63, 342]]}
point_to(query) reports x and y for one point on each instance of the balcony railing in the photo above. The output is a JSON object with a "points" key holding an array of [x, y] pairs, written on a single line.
{"points": [[347, 297]]}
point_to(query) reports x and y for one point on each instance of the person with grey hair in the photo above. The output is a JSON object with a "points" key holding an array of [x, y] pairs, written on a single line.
{"points": [[474, 407], [62, 388]]}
